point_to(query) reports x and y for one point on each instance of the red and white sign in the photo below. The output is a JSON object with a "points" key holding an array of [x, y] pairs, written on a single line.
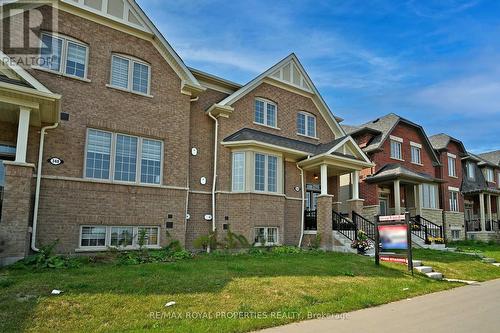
{"points": [[392, 218], [396, 260]]}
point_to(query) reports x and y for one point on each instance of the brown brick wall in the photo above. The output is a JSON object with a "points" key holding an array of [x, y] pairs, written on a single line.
{"points": [[442, 172]]}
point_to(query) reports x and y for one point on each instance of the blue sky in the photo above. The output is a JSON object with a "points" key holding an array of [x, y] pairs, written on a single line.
{"points": [[434, 62]]}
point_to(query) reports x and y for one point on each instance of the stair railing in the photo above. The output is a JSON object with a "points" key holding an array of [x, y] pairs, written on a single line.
{"points": [[364, 224], [344, 226], [424, 229]]}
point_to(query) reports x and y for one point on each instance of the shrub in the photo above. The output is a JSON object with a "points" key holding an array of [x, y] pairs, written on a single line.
{"points": [[45, 259], [286, 250]]}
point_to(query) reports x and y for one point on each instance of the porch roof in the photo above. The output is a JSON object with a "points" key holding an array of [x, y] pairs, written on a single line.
{"points": [[397, 171]]}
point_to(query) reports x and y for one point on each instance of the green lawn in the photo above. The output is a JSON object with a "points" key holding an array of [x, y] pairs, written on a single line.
{"points": [[275, 288], [491, 250]]}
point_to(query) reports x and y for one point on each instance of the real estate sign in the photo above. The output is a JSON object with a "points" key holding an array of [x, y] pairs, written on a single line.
{"points": [[393, 232]]}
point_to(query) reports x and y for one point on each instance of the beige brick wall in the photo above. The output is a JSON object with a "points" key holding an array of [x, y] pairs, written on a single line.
{"points": [[453, 221], [433, 215]]}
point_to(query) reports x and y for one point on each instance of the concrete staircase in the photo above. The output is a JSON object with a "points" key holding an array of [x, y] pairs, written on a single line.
{"points": [[418, 242], [427, 270], [341, 243]]}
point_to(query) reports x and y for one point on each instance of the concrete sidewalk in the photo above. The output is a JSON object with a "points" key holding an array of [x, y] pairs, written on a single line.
{"points": [[473, 308]]}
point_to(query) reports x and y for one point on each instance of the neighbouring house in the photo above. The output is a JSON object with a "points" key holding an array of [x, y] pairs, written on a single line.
{"points": [[481, 190], [451, 153], [110, 135]]}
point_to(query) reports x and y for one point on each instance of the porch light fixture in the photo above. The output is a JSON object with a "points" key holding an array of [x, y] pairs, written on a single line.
{"points": [[316, 177]]}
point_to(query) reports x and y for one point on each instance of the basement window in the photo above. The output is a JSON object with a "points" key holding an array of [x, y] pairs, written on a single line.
{"points": [[266, 236]]}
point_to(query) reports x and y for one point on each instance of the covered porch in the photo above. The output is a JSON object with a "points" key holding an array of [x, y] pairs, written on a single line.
{"points": [[482, 220]]}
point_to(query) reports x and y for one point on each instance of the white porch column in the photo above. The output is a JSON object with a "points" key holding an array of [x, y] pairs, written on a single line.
{"points": [[481, 212], [324, 179], [498, 208], [488, 207], [355, 185], [418, 201], [22, 135], [397, 198]]}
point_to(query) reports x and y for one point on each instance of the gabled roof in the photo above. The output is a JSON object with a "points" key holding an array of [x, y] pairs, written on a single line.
{"points": [[289, 72], [492, 157], [128, 13], [382, 128], [440, 142]]}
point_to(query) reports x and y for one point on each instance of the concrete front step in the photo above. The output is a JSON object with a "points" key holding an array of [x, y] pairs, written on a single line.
{"points": [[489, 260], [496, 264], [424, 269], [417, 263], [435, 275]]}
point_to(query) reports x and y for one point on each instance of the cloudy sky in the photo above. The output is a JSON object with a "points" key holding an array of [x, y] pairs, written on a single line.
{"points": [[434, 62]]}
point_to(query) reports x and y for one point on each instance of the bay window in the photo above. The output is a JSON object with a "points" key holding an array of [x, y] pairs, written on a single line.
{"points": [[256, 171], [239, 171], [123, 158], [266, 172]]}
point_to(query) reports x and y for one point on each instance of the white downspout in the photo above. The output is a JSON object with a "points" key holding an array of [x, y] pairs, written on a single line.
{"points": [[214, 179], [38, 181], [303, 205]]}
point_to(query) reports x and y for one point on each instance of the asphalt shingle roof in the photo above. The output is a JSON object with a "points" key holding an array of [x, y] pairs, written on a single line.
{"points": [[396, 170], [247, 134], [6, 79], [492, 157]]}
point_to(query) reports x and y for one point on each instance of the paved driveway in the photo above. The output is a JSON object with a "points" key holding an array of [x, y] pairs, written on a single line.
{"points": [[473, 308]]}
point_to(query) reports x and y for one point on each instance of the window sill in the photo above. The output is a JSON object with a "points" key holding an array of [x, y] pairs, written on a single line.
{"points": [[417, 163], [117, 182], [307, 136], [38, 68], [108, 248], [453, 176], [268, 126], [397, 159], [129, 91], [310, 232]]}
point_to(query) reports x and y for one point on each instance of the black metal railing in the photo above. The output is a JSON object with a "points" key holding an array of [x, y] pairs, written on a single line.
{"points": [[364, 224], [344, 226], [473, 225], [424, 229], [310, 220]]}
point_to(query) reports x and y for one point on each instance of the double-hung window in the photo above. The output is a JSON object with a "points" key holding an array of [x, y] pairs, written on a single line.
{"points": [[124, 158], [266, 236], [471, 174], [130, 74], [488, 174], [265, 112], [416, 153], [396, 148], [454, 201], [238, 171], [306, 124], [266, 173], [429, 196], [452, 170], [63, 55]]}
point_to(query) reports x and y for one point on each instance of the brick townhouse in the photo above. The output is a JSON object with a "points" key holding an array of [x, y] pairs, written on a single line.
{"points": [[110, 135]]}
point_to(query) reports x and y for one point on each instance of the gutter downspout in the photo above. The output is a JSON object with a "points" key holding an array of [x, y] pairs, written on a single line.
{"points": [[303, 205], [214, 179], [38, 181]]}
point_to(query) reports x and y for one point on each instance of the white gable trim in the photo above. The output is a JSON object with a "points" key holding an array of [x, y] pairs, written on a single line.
{"points": [[354, 144], [19, 71], [316, 96]]}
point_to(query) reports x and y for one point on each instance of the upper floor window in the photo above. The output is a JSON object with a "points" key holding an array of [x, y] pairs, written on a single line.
{"points": [[396, 145], [63, 55], [265, 112], [488, 174], [130, 74], [123, 157], [454, 201], [452, 171], [306, 124], [416, 156], [470, 171]]}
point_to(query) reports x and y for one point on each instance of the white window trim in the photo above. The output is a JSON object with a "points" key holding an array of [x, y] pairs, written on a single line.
{"points": [[419, 147], [400, 150], [244, 170], [456, 229], [107, 245], [307, 114], [396, 138], [487, 173], [265, 236], [266, 102], [452, 155], [130, 83], [112, 156], [64, 52], [266, 173], [454, 173], [453, 190], [436, 196], [470, 168]]}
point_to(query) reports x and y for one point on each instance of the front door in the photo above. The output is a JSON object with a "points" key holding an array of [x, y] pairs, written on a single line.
{"points": [[312, 192], [469, 218], [383, 203]]}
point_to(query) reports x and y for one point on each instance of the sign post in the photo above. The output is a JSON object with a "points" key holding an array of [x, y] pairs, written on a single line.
{"points": [[393, 232]]}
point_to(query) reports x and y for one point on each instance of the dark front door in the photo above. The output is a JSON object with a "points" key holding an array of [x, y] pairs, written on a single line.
{"points": [[312, 192]]}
